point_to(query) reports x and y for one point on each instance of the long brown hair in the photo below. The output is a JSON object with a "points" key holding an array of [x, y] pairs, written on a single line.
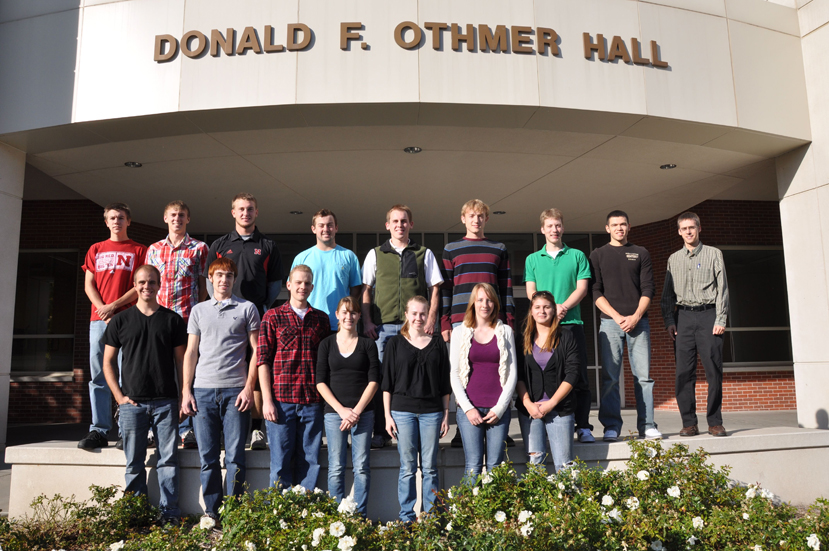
{"points": [[405, 329], [489, 291], [530, 329]]}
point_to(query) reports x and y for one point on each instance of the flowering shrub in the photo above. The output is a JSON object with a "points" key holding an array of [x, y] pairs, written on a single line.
{"points": [[667, 499]]}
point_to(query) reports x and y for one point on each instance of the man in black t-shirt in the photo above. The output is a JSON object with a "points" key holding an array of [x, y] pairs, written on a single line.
{"points": [[623, 289], [153, 340]]}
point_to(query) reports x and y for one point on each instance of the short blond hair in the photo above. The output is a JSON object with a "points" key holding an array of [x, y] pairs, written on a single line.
{"points": [[401, 208], [244, 197], [301, 268], [554, 214], [180, 205], [475, 206]]}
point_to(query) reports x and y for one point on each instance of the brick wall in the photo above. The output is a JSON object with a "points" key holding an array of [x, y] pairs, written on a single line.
{"points": [[722, 223], [65, 225]]}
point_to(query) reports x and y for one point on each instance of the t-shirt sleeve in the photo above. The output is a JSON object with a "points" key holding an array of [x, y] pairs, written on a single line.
{"points": [[370, 269], [598, 283], [323, 369], [583, 267], [646, 285], [433, 275], [254, 321], [112, 336], [140, 255], [274, 265], [354, 276], [529, 269], [389, 359], [193, 323], [89, 260], [373, 361], [179, 331]]}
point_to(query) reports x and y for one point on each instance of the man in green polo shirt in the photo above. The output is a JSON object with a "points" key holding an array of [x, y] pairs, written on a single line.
{"points": [[564, 272]]}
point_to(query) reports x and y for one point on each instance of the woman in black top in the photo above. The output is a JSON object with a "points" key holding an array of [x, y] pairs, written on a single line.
{"points": [[416, 393], [551, 369], [348, 371]]}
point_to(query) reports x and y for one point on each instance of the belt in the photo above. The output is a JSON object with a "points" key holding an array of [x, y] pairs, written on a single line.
{"points": [[696, 308]]}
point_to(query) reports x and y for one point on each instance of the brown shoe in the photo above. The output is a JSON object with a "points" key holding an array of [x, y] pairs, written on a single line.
{"points": [[690, 431], [717, 430]]}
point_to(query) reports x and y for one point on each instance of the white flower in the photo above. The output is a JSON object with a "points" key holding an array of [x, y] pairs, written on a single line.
{"points": [[693, 540], [449, 526], [758, 548], [551, 478], [207, 523], [500, 516], [559, 496], [283, 524], [615, 515], [813, 542], [382, 528], [299, 490], [348, 506], [117, 545], [698, 523], [453, 509], [561, 485], [249, 546], [527, 529], [673, 491], [574, 473], [745, 516], [304, 547], [656, 545], [607, 501], [317, 514], [766, 493], [337, 529], [486, 478], [644, 475], [475, 491], [317, 490], [751, 492], [346, 544], [781, 543], [318, 534], [632, 503], [449, 494], [651, 452], [304, 513], [524, 516], [285, 491]]}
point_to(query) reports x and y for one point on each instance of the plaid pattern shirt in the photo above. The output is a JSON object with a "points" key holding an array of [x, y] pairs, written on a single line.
{"points": [[180, 269], [289, 345], [695, 278]]}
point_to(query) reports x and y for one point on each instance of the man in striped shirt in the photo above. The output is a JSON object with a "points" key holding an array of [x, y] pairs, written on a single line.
{"points": [[695, 308], [467, 262]]}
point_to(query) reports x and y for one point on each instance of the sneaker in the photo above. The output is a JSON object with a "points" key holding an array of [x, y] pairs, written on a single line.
{"points": [[119, 445], [257, 440], [150, 439], [510, 442], [93, 441], [188, 441], [457, 441], [585, 436], [611, 435], [378, 441], [653, 434]]}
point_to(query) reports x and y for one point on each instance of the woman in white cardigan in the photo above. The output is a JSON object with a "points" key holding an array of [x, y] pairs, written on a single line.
{"points": [[483, 376]]}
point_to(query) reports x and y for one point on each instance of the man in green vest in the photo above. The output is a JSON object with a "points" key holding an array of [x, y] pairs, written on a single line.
{"points": [[394, 272]]}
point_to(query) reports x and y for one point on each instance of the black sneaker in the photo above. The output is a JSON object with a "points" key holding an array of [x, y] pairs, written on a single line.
{"points": [[457, 442], [188, 441], [510, 442], [93, 441], [119, 445]]}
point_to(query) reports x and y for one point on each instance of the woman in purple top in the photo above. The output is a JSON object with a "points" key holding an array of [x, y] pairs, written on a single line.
{"points": [[483, 379], [551, 369]]}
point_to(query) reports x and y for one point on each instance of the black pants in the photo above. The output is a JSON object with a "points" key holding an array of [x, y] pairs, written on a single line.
{"points": [[582, 388], [695, 335]]}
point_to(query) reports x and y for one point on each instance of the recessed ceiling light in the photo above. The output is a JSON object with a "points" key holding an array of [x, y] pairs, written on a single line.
{"points": [[132, 164], [499, 212], [413, 149], [668, 166], [296, 212]]}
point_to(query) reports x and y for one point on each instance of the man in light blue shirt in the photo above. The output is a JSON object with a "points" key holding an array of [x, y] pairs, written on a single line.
{"points": [[336, 269]]}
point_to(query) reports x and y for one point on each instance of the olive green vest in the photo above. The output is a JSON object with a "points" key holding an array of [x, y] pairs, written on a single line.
{"points": [[399, 278]]}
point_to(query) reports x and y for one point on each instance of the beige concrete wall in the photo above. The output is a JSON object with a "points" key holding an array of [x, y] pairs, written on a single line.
{"points": [[12, 168], [803, 179], [95, 60]]}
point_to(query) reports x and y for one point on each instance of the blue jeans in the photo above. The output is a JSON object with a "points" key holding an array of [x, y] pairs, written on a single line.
{"points": [[612, 340], [162, 415], [417, 433], [559, 429], [360, 448], [297, 427], [473, 441], [216, 413], [100, 398]]}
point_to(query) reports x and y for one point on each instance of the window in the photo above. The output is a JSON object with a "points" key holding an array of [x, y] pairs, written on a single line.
{"points": [[758, 329], [44, 311]]}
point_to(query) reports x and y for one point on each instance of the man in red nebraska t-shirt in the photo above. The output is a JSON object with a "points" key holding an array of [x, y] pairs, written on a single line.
{"points": [[108, 268]]}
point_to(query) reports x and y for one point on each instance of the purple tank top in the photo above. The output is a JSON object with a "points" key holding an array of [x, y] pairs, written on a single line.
{"points": [[484, 386]]}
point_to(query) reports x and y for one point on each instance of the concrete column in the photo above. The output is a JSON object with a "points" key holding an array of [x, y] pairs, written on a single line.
{"points": [[803, 180], [12, 168]]}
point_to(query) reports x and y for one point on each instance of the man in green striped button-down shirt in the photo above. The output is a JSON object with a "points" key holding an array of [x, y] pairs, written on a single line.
{"points": [[695, 307]]}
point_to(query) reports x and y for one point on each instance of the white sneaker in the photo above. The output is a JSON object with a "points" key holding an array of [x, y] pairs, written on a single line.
{"points": [[257, 440], [611, 435], [653, 434], [151, 439], [585, 436]]}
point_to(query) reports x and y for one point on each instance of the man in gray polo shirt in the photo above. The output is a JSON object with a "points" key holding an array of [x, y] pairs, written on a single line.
{"points": [[221, 396]]}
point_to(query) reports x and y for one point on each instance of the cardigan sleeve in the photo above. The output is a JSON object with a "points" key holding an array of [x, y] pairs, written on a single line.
{"points": [[458, 388], [571, 358], [512, 374]]}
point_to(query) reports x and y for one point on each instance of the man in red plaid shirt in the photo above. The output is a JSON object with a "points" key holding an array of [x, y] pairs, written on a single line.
{"points": [[289, 336], [182, 262]]}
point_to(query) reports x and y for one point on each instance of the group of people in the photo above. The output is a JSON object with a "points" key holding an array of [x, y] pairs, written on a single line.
{"points": [[181, 330]]}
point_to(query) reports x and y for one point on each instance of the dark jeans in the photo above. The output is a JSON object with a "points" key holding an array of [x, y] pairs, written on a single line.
{"points": [[582, 388], [695, 335]]}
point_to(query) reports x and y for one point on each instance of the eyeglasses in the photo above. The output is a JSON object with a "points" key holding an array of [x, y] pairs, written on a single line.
{"points": [[545, 294]]}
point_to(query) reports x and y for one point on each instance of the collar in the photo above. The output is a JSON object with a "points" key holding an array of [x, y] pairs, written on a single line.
{"points": [[695, 252], [387, 247], [255, 236], [184, 242], [232, 301], [544, 252]]}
